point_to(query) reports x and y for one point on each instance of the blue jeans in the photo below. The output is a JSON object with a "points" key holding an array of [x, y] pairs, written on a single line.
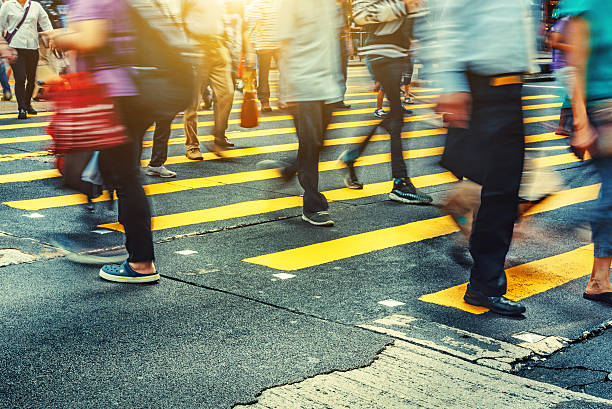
{"points": [[6, 87], [600, 117]]}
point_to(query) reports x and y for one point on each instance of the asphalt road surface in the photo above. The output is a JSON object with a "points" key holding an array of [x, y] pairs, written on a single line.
{"points": [[251, 296]]}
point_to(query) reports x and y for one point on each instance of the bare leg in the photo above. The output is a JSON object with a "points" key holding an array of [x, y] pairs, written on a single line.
{"points": [[143, 267], [600, 276]]}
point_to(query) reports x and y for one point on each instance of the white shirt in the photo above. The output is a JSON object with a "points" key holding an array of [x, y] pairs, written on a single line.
{"points": [[11, 14], [310, 51]]}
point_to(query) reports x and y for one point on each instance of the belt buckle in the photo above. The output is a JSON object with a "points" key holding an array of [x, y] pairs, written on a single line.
{"points": [[506, 80]]}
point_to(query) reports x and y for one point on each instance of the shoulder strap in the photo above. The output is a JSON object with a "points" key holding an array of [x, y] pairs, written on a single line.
{"points": [[9, 36]]}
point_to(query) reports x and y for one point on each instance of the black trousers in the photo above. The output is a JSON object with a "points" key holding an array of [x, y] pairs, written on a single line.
{"points": [[121, 169], [497, 127], [161, 136], [311, 120], [264, 61], [388, 71], [24, 69]]}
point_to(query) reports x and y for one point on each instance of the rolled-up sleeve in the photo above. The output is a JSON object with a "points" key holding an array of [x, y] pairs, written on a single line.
{"points": [[43, 19], [453, 46]]}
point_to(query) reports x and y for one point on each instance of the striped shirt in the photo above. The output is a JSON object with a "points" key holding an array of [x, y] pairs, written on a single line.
{"points": [[262, 16], [386, 21]]}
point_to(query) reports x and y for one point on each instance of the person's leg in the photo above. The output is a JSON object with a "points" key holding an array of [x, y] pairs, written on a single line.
{"points": [[161, 136], [221, 82], [264, 60], [19, 72], [601, 226], [190, 118], [497, 122], [123, 164], [380, 97], [310, 119], [6, 87], [31, 66], [389, 73]]}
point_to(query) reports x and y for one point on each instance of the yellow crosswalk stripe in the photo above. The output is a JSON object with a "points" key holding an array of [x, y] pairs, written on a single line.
{"points": [[542, 106], [234, 153], [526, 280], [242, 152], [17, 156], [363, 243], [209, 181], [263, 119], [254, 207]]}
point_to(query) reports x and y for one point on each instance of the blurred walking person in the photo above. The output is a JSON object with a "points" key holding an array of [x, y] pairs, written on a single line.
{"points": [[387, 50], [262, 16], [482, 93], [591, 55], [203, 22], [310, 84], [564, 72], [102, 33], [20, 19]]}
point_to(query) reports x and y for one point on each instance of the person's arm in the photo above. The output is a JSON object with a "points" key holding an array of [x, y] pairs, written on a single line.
{"points": [[455, 102], [579, 36], [43, 19], [247, 45], [382, 11], [84, 36], [557, 40], [6, 51]]}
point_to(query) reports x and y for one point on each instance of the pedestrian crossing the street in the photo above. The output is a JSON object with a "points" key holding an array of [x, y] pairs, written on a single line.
{"points": [[30, 185]]}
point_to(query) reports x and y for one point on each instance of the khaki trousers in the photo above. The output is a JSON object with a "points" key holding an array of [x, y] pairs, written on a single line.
{"points": [[216, 69]]}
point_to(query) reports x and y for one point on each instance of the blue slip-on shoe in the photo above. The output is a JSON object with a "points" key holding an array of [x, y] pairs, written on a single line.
{"points": [[125, 274]]}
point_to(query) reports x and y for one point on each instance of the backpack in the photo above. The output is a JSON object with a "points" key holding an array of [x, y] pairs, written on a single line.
{"points": [[162, 65]]}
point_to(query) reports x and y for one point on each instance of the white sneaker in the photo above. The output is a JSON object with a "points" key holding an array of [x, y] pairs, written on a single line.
{"points": [[160, 171]]}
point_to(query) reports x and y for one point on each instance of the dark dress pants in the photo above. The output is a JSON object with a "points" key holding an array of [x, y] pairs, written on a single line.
{"points": [[497, 126], [311, 120], [159, 153], [24, 69], [121, 169], [264, 61], [388, 71]]}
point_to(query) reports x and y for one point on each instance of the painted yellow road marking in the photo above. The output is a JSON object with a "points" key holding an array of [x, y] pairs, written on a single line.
{"points": [[254, 207], [234, 153], [29, 176], [273, 118], [208, 181], [325, 252], [542, 106], [17, 156], [345, 247], [526, 280]]}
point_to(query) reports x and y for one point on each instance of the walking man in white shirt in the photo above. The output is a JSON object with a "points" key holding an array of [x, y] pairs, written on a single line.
{"points": [[262, 16], [19, 19]]}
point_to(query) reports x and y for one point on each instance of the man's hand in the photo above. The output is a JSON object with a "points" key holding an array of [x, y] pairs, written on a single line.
{"points": [[413, 4], [8, 52], [456, 109], [584, 136]]}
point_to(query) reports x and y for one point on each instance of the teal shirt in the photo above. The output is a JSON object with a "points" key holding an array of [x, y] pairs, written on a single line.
{"points": [[598, 13]]}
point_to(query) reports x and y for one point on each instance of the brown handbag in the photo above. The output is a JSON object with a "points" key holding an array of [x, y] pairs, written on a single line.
{"points": [[249, 116]]}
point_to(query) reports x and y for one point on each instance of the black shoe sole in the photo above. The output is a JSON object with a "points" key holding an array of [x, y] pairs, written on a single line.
{"points": [[327, 223], [398, 198], [506, 313]]}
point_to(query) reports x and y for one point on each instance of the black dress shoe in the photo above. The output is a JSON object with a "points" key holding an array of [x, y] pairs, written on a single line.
{"points": [[31, 111], [22, 114], [603, 297], [499, 305], [342, 105], [223, 142]]}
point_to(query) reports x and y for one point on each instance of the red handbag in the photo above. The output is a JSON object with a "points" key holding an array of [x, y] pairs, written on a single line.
{"points": [[85, 117]]}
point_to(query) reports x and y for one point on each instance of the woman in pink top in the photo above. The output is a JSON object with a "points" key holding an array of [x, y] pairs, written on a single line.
{"points": [[102, 34]]}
